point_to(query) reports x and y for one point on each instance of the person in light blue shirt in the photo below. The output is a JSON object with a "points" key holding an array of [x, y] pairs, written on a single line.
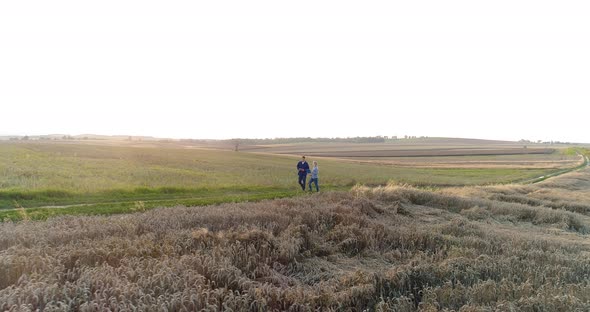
{"points": [[314, 177]]}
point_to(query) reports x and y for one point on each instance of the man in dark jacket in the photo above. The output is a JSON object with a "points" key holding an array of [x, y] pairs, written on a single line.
{"points": [[302, 169]]}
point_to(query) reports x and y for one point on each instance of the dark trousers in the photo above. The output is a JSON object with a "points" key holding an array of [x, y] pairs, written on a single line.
{"points": [[312, 180], [302, 178]]}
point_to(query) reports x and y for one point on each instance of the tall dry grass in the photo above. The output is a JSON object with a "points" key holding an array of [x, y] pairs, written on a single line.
{"points": [[393, 248], [570, 192]]}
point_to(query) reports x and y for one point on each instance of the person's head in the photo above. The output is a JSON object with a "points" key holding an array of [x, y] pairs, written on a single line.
{"points": [[303, 158], [315, 163]]}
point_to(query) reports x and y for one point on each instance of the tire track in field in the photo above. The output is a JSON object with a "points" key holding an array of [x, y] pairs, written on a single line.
{"points": [[584, 165], [179, 201]]}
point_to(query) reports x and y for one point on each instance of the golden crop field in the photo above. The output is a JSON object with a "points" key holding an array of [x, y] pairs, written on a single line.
{"points": [[388, 248], [183, 227]]}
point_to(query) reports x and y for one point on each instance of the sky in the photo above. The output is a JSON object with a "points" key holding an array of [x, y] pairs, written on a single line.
{"points": [[261, 69]]}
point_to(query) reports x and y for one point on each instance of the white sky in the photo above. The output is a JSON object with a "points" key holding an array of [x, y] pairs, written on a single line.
{"points": [[220, 69]]}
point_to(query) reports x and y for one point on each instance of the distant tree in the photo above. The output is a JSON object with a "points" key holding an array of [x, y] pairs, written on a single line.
{"points": [[236, 144], [25, 138]]}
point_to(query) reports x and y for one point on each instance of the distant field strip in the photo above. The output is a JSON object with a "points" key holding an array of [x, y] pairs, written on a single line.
{"points": [[433, 152], [419, 147], [548, 161]]}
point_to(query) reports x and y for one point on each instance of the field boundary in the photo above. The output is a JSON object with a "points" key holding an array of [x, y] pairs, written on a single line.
{"points": [[140, 205], [585, 164]]}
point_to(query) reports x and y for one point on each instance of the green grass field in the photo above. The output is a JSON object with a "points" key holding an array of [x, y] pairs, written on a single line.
{"points": [[106, 178]]}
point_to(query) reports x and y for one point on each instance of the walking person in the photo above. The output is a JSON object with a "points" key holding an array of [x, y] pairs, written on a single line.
{"points": [[314, 177], [302, 171]]}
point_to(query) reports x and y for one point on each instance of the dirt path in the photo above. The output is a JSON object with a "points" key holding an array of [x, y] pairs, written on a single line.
{"points": [[159, 200], [585, 164]]}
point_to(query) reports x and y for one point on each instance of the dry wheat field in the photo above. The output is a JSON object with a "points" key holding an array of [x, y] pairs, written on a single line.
{"points": [[390, 248]]}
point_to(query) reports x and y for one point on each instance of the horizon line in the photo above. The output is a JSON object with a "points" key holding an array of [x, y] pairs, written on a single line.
{"points": [[404, 137]]}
